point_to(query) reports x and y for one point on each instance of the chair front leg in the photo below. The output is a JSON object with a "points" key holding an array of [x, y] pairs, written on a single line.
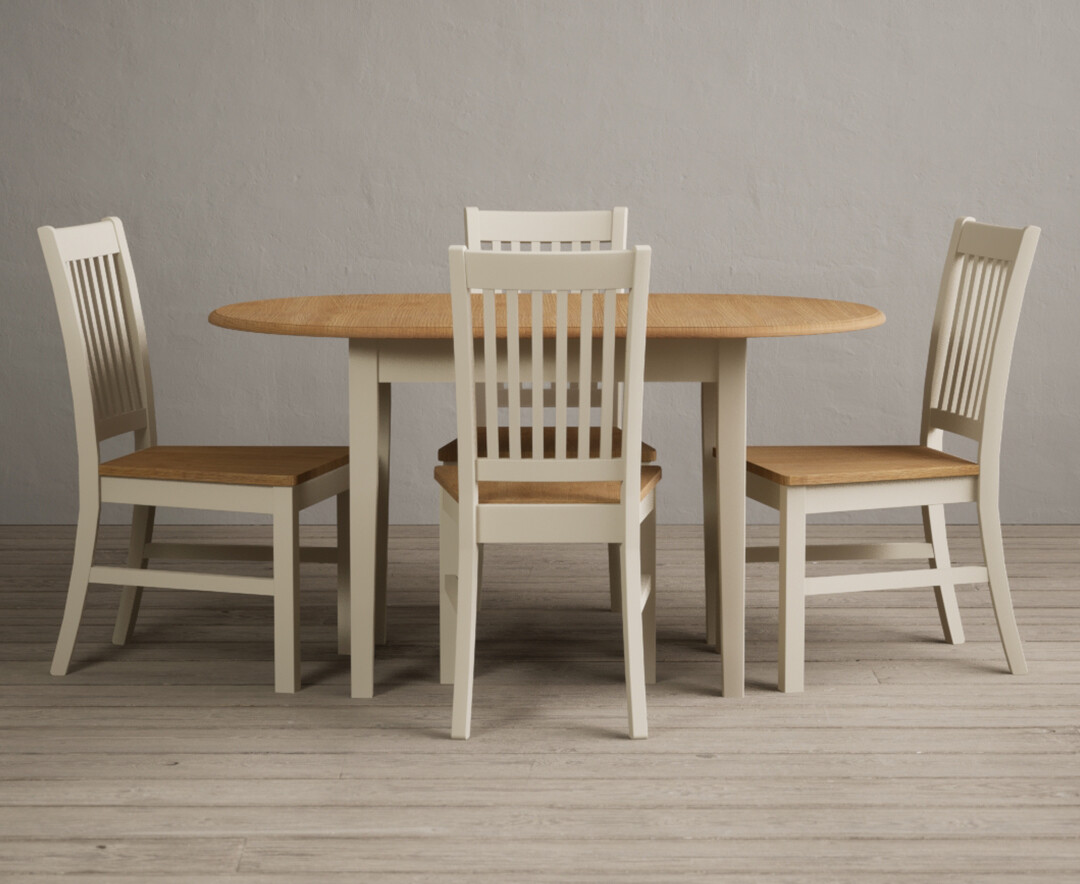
{"points": [[648, 612], [344, 632], [465, 639], [994, 553], [85, 540], [792, 589], [448, 583], [142, 530], [633, 641], [286, 597], [948, 610]]}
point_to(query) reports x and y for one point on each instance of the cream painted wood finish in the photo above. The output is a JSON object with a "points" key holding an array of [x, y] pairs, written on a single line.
{"points": [[108, 364], [408, 338], [982, 288], [571, 494], [574, 231]]}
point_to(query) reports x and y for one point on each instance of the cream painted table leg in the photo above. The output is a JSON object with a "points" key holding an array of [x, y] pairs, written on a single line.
{"points": [[730, 422], [365, 420]]}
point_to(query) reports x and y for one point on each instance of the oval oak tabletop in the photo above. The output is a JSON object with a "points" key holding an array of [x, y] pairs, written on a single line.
{"points": [[428, 316]]}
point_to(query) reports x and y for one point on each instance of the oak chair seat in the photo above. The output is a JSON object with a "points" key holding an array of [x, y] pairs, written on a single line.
{"points": [[545, 492], [802, 465], [269, 465], [449, 452]]}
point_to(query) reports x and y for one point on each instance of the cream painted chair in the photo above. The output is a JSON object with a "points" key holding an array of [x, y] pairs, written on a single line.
{"points": [[109, 367], [573, 493], [573, 231], [986, 272]]}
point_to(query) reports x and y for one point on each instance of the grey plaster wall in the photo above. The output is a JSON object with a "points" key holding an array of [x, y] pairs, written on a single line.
{"points": [[263, 149]]}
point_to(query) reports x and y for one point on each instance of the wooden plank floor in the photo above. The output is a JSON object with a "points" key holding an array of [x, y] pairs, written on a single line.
{"points": [[171, 759]]}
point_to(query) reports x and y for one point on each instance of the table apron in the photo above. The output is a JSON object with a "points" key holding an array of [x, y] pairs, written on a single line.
{"points": [[666, 359]]}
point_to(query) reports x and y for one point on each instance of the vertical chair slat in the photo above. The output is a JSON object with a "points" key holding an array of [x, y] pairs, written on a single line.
{"points": [[115, 310], [987, 305], [966, 341], [90, 336], [985, 301], [953, 340], [491, 376], [584, 387], [108, 336], [513, 374], [108, 387], [537, 355], [127, 344], [561, 333], [607, 375], [956, 337], [965, 331], [992, 330]]}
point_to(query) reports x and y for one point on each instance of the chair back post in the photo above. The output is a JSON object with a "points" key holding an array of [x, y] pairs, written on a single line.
{"points": [[634, 380], [982, 290], [464, 386], [82, 397], [104, 340], [1001, 358], [147, 435]]}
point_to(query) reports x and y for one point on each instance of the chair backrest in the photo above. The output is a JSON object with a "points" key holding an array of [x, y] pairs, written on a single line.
{"points": [[546, 231], [574, 231], [566, 305], [104, 336], [982, 288]]}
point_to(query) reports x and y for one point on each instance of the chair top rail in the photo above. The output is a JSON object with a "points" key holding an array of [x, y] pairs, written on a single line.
{"points": [[603, 225]]}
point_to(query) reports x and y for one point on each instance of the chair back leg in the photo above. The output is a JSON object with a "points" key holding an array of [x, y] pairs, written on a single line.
{"points": [[994, 554], [344, 632], [142, 529], [614, 557], [85, 541], [948, 610], [286, 598], [792, 556]]}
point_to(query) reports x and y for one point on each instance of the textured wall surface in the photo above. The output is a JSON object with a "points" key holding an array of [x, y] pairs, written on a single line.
{"points": [[272, 148]]}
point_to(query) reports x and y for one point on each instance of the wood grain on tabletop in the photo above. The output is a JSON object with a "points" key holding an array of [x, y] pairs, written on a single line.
{"points": [[428, 316]]}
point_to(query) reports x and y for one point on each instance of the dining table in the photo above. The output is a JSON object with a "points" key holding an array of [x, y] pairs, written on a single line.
{"points": [[408, 338]]}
